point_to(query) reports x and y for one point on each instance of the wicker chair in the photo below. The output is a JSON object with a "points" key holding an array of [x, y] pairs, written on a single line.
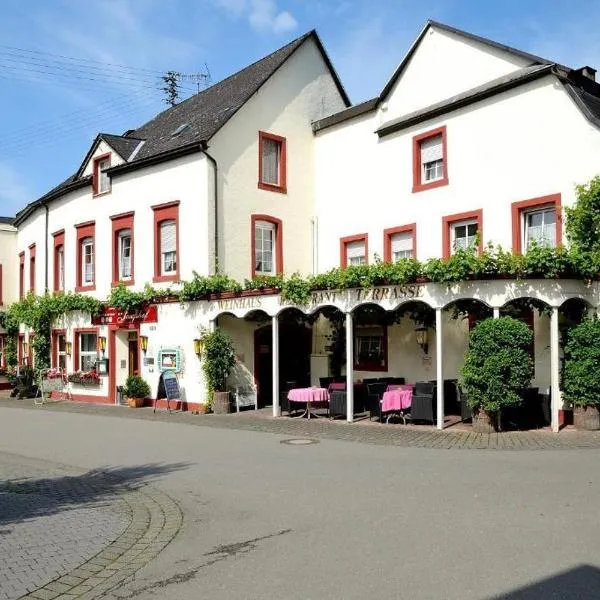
{"points": [[338, 401], [374, 394], [423, 407]]}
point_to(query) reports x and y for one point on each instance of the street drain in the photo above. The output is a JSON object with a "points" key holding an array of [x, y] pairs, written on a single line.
{"points": [[299, 441]]}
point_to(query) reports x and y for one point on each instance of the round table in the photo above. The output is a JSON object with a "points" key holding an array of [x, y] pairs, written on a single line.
{"points": [[308, 395]]}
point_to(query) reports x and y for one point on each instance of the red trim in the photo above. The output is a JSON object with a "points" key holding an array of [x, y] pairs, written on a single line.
{"points": [[344, 247], [76, 332], [372, 366], [112, 354], [59, 242], [418, 186], [448, 221], [85, 230], [21, 275], [278, 242], [55, 334], [20, 349], [1, 287], [165, 212], [282, 187], [83, 398], [517, 209], [32, 253], [119, 223], [96, 177], [387, 239]]}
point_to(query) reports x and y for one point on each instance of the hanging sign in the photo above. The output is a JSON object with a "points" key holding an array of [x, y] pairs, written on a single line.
{"points": [[125, 318]]}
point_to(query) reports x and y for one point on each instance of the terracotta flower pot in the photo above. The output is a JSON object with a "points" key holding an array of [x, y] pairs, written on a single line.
{"points": [[135, 402], [484, 422], [586, 418]]}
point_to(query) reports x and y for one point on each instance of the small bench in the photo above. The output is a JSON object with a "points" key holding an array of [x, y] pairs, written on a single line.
{"points": [[244, 396]]}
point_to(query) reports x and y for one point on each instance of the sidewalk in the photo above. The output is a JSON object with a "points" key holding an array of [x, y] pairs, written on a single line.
{"points": [[361, 431]]}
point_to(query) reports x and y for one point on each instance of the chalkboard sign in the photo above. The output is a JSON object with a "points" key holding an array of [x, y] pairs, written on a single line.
{"points": [[168, 387]]}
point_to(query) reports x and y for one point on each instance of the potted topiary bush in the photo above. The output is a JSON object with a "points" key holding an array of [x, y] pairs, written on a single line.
{"points": [[497, 369], [581, 378], [218, 359], [136, 390]]}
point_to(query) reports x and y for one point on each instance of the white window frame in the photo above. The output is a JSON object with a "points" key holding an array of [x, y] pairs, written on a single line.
{"points": [[60, 251], [356, 260], [87, 242], [87, 353], [125, 234], [104, 183], [373, 336], [432, 170], [260, 250], [168, 259], [402, 254], [466, 224], [279, 145], [61, 354], [525, 242]]}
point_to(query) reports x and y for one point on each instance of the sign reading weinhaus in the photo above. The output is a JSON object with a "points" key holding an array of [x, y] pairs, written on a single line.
{"points": [[125, 318]]}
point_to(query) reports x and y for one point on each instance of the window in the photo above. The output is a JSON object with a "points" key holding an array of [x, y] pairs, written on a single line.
{"points": [[271, 162], [267, 245], [125, 254], [21, 275], [88, 352], [463, 230], [370, 348], [123, 259], [166, 242], [537, 220], [399, 243], [354, 250], [430, 161], [32, 268], [87, 261], [86, 257], [101, 181], [264, 248], [59, 260]]}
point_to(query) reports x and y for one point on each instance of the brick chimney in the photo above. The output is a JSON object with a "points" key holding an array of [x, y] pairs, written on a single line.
{"points": [[586, 72]]}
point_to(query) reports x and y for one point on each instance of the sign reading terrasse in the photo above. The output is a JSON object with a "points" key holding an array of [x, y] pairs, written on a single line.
{"points": [[375, 294], [123, 318]]}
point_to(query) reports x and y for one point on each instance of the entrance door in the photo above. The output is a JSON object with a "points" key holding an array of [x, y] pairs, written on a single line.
{"points": [[134, 358]]}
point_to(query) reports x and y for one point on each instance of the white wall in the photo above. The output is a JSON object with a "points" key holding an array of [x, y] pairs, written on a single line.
{"points": [[529, 142], [103, 148], [10, 263], [301, 91]]}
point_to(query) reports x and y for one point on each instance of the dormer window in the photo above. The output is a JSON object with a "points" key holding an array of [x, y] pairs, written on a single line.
{"points": [[101, 180]]}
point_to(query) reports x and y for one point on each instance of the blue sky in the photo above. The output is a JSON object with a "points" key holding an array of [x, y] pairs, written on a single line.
{"points": [[72, 68]]}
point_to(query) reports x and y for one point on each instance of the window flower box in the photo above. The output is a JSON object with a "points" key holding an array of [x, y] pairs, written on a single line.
{"points": [[90, 378]]}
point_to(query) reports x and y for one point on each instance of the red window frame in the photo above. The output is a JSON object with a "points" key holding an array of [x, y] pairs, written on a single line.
{"points": [[344, 247], [418, 184], [165, 212], [59, 242], [372, 366], [278, 242], [387, 239], [518, 208], [3, 350], [85, 230], [96, 175], [282, 187], [21, 275], [1, 286], [55, 334], [449, 220], [120, 223], [76, 348], [32, 253]]}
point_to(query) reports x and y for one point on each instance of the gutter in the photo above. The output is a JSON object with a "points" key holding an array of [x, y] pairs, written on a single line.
{"points": [[215, 203], [45, 204]]}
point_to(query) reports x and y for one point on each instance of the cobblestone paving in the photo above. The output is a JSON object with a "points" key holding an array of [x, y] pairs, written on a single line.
{"points": [[360, 431], [76, 535]]}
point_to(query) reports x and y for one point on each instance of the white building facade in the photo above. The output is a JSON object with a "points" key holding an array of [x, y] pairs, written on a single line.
{"points": [[284, 177]]}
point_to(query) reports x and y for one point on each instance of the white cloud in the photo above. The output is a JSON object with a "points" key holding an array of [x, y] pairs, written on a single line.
{"points": [[14, 193], [263, 15]]}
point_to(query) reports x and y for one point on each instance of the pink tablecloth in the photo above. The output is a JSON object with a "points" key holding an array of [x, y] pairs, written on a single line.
{"points": [[399, 399], [308, 395]]}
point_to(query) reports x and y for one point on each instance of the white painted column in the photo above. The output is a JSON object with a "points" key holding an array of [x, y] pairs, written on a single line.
{"points": [[212, 325], [439, 361], [496, 312], [555, 397], [275, 353], [349, 368]]}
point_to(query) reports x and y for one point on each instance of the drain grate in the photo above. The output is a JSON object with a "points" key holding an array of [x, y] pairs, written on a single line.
{"points": [[299, 441]]}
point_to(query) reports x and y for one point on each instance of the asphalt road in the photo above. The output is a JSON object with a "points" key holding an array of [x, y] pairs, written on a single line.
{"points": [[339, 519]]}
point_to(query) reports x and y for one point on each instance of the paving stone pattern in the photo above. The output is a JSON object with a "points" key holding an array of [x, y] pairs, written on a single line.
{"points": [[360, 431], [73, 536]]}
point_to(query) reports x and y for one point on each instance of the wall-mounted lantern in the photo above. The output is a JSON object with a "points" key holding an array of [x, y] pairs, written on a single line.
{"points": [[422, 335], [198, 346], [68, 348], [25, 349], [102, 344], [144, 343]]}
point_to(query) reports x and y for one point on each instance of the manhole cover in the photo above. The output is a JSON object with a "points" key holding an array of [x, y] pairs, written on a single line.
{"points": [[299, 442]]}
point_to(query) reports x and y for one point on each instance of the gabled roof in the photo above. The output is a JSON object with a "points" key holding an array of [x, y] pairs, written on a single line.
{"points": [[204, 114], [6, 220]]}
